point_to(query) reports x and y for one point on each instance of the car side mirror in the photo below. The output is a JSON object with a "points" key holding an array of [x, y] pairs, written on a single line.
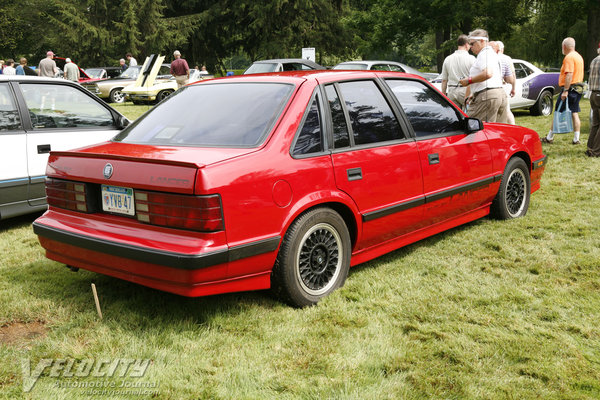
{"points": [[473, 125], [122, 122]]}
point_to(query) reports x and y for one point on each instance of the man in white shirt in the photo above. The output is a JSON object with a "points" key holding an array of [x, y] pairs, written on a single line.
{"points": [[9, 69], [457, 66], [487, 99], [132, 61]]}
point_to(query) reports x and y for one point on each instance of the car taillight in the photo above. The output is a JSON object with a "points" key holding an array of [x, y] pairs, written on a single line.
{"points": [[65, 194], [199, 213]]}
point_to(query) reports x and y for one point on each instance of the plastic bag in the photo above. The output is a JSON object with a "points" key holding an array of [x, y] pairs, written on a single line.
{"points": [[563, 120]]}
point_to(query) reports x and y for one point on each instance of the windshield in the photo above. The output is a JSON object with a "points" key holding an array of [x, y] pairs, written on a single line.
{"points": [[131, 73], [351, 66], [94, 72], [260, 68], [213, 115]]}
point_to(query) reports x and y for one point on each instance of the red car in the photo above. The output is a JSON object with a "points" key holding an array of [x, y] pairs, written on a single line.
{"points": [[281, 181]]}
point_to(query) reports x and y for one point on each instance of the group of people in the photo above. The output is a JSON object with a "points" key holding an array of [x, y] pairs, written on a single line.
{"points": [[476, 84]]}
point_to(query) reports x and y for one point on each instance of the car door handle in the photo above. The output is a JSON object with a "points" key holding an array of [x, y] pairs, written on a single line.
{"points": [[433, 158], [354, 174], [43, 148]]}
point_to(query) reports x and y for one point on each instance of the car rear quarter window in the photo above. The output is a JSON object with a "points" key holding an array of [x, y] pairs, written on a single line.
{"points": [[370, 114], [341, 137], [63, 106], [212, 115], [522, 70], [427, 111], [310, 138], [9, 115]]}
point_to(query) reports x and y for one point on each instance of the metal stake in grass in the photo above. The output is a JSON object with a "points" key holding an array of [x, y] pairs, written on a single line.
{"points": [[96, 300]]}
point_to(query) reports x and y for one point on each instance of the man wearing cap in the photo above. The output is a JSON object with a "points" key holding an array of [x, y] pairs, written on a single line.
{"points": [[486, 98], [47, 66], [180, 69], [571, 80], [71, 71], [593, 144], [456, 66]]}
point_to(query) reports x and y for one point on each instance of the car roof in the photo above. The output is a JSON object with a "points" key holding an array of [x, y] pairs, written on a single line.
{"points": [[297, 77], [290, 60], [26, 78]]}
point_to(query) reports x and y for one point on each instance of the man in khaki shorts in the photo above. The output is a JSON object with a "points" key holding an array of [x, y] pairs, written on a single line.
{"points": [[486, 98], [180, 69]]}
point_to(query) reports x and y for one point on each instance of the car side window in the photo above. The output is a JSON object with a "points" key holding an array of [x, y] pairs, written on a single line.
{"points": [[9, 115], [341, 137], [370, 114], [63, 106], [396, 68], [426, 110], [380, 67], [522, 70], [310, 139]]}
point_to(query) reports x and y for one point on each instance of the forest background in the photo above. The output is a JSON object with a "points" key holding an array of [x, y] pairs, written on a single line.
{"points": [[230, 34]]}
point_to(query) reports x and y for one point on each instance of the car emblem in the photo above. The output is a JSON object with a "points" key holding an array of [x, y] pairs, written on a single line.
{"points": [[108, 171]]}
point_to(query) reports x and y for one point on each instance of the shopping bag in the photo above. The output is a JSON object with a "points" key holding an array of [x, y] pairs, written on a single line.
{"points": [[563, 121]]}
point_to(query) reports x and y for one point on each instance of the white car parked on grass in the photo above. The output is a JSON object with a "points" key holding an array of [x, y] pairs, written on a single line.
{"points": [[39, 115]]}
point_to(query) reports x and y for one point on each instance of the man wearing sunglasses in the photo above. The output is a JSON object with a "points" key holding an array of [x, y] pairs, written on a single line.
{"points": [[486, 98]]}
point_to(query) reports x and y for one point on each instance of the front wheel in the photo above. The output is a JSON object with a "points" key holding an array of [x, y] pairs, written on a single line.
{"points": [[163, 94], [512, 200], [116, 96], [314, 258], [544, 104]]}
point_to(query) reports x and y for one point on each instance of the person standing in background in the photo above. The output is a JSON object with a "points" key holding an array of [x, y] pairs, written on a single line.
{"points": [[593, 144], [180, 69], [489, 99], [455, 67], [571, 80], [122, 64], [508, 75], [132, 61], [47, 66], [71, 71], [9, 68]]}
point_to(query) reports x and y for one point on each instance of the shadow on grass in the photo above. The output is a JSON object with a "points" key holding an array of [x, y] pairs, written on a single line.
{"points": [[19, 222]]}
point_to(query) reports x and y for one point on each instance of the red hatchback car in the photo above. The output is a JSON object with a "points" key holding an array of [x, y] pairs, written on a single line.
{"points": [[281, 181]]}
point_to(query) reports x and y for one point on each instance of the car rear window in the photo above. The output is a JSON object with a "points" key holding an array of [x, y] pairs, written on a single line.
{"points": [[260, 68], [212, 115], [351, 66]]}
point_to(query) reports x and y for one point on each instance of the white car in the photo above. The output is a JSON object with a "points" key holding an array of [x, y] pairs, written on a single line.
{"points": [[39, 115], [534, 88], [380, 65]]}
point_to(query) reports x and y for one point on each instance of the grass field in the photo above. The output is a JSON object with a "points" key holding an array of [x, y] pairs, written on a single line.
{"points": [[489, 310]]}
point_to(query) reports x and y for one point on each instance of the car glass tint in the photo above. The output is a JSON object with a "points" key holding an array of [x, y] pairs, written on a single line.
{"points": [[309, 140], [371, 116], [427, 111], [9, 116], [380, 67], [340, 128], [396, 68], [63, 106], [212, 115]]}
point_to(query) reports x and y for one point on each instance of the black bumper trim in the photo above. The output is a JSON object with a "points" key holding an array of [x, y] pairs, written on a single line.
{"points": [[152, 256]]}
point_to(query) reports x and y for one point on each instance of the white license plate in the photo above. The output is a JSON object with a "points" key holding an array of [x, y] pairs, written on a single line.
{"points": [[117, 200]]}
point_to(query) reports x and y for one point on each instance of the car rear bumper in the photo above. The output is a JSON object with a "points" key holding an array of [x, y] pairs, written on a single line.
{"points": [[204, 272]]}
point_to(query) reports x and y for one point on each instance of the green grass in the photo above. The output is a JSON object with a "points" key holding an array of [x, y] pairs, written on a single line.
{"points": [[489, 310]]}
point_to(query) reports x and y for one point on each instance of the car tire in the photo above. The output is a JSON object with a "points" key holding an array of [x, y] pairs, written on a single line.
{"points": [[163, 94], [314, 258], [544, 104], [116, 96], [512, 199]]}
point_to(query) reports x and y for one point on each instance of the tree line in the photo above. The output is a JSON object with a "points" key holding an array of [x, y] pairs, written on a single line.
{"points": [[418, 32]]}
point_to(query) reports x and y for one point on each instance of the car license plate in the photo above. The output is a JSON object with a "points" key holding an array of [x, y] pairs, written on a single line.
{"points": [[117, 199]]}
